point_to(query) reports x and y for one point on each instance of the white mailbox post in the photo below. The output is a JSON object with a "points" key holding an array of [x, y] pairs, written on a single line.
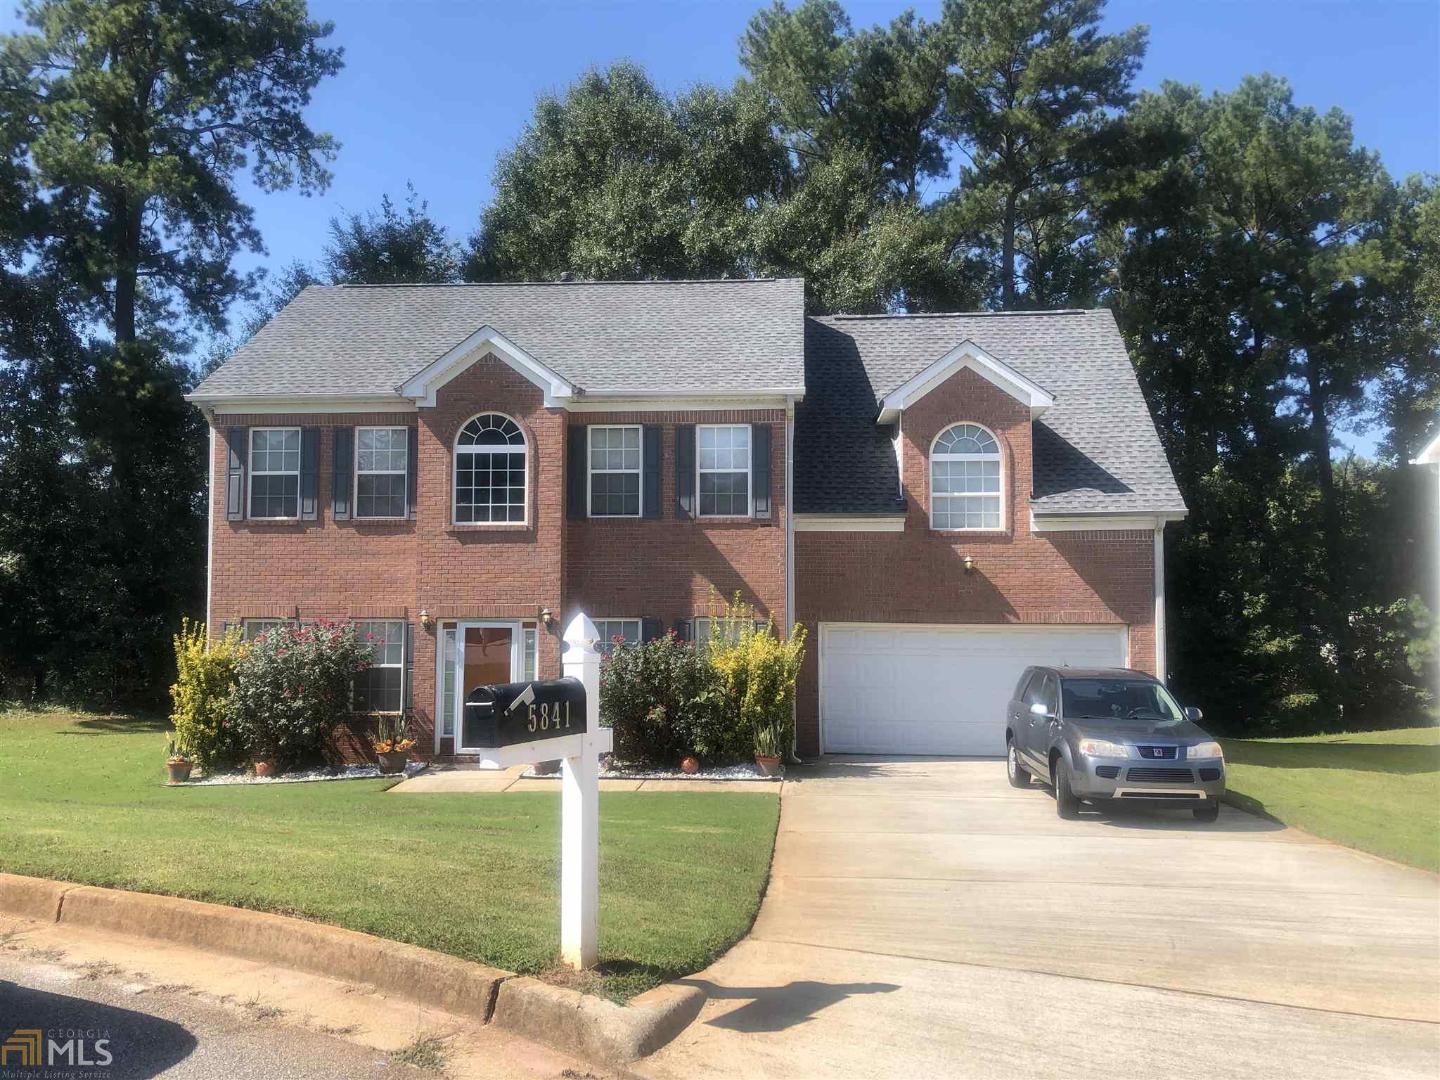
{"points": [[580, 807]]}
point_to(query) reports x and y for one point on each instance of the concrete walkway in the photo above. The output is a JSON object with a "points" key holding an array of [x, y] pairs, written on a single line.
{"points": [[925, 919], [455, 780]]}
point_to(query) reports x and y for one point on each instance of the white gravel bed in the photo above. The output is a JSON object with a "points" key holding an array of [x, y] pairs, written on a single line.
{"points": [[729, 772], [305, 776]]}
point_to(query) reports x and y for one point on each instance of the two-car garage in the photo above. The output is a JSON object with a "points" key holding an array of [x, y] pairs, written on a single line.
{"points": [[916, 689]]}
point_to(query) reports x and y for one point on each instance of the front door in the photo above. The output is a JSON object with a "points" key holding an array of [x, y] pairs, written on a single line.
{"points": [[485, 653]]}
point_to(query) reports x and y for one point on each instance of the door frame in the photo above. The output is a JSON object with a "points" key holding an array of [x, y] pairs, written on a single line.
{"points": [[517, 662]]}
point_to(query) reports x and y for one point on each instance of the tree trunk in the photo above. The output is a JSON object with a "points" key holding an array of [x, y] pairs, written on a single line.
{"points": [[127, 268], [1007, 254]]}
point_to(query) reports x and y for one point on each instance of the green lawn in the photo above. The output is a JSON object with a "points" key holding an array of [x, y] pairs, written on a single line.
{"points": [[1378, 791], [83, 798]]}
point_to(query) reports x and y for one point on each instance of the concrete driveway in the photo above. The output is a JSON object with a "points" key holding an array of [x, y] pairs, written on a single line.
{"points": [[925, 919]]}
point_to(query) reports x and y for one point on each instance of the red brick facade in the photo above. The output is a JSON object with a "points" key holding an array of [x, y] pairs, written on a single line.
{"points": [[640, 568], [917, 576]]}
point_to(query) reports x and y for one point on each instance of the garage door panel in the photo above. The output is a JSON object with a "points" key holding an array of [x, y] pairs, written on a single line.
{"points": [[939, 689]]}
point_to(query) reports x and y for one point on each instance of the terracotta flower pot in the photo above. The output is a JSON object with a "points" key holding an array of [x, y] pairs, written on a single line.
{"points": [[689, 765], [767, 766], [265, 768], [179, 771], [392, 762]]}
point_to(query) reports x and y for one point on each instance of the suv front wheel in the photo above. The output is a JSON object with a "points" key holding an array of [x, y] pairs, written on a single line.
{"points": [[1019, 775], [1066, 804]]}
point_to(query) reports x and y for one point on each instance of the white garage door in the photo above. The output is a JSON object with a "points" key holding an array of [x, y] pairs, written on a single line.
{"points": [[939, 689]]}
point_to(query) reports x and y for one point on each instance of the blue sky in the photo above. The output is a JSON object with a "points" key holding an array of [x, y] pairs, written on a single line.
{"points": [[433, 90]]}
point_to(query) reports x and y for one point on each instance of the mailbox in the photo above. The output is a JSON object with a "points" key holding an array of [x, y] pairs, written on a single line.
{"points": [[506, 714]]}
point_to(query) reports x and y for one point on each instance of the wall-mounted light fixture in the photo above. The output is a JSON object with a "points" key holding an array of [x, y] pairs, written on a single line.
{"points": [[969, 563], [546, 617], [425, 620]]}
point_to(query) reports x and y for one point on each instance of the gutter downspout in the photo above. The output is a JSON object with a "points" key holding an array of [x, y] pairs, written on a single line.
{"points": [[210, 526], [1160, 666], [790, 545]]}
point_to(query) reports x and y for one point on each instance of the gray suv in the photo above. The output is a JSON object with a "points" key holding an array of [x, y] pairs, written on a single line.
{"points": [[1110, 733]]}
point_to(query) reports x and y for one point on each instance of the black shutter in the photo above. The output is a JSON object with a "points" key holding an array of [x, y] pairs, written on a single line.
{"points": [[760, 469], [343, 473], [650, 477], [575, 472], [685, 471], [412, 471], [238, 440], [309, 473], [409, 671], [684, 629], [650, 629], [225, 629]]}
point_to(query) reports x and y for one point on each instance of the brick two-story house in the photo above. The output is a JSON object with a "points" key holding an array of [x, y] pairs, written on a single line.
{"points": [[941, 499]]}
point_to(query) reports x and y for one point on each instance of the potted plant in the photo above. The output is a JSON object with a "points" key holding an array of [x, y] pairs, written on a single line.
{"points": [[264, 765], [178, 764], [391, 742], [767, 750], [690, 765]]}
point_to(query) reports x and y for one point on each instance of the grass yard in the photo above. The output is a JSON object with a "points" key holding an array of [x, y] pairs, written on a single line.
{"points": [[1378, 791], [83, 798]]}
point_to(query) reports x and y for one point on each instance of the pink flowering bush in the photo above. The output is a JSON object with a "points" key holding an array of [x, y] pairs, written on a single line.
{"points": [[292, 685]]}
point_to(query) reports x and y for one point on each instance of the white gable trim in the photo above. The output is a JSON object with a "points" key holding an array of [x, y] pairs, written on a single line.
{"points": [[425, 384], [1103, 521], [966, 355], [1430, 455]]}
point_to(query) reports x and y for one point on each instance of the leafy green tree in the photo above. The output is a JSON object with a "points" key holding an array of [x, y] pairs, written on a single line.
{"points": [[390, 247], [1034, 90]]}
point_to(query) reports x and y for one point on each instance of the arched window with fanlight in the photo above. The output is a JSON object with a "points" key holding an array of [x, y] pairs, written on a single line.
{"points": [[965, 479], [490, 471]]}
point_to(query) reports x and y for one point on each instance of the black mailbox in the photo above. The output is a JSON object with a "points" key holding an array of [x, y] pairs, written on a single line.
{"points": [[509, 713]]}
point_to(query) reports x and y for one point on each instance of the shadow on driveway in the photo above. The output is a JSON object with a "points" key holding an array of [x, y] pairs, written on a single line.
{"points": [[775, 1008], [140, 1046]]}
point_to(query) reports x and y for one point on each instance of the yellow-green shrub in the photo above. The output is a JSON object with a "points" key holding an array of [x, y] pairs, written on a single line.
{"points": [[206, 672], [757, 672]]}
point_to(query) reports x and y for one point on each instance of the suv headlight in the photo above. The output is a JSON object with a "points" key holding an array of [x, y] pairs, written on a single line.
{"points": [[1204, 750], [1103, 748]]}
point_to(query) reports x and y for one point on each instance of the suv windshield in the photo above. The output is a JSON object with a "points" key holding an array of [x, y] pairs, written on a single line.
{"points": [[1117, 699]]}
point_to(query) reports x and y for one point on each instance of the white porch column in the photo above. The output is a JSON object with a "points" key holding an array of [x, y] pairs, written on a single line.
{"points": [[580, 809], [1160, 665]]}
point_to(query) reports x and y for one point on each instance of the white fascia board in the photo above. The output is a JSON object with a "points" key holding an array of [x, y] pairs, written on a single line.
{"points": [[424, 385], [849, 522], [288, 404], [669, 401], [967, 355], [1102, 521]]}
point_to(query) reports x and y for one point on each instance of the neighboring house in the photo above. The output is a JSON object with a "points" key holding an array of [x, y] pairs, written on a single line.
{"points": [[462, 468]]}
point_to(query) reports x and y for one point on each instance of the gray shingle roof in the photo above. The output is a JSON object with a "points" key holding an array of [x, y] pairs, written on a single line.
{"points": [[1095, 448], [684, 336]]}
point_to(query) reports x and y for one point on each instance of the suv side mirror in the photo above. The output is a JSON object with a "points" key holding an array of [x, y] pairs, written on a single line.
{"points": [[1193, 714], [1038, 709]]}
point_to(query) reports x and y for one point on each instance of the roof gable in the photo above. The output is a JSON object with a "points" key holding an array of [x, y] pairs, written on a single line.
{"points": [[423, 386], [965, 355]]}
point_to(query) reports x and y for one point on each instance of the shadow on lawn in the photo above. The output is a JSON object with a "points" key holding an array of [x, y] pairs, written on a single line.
{"points": [[119, 725], [775, 1008], [1411, 758]]}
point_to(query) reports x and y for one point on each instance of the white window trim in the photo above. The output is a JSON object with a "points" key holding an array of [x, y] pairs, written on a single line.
{"points": [[639, 626], [456, 451], [251, 472], [590, 469], [356, 473], [388, 712], [264, 624], [749, 474], [998, 457]]}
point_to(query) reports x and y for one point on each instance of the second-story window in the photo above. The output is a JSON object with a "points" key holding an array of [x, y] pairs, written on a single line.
{"points": [[275, 472], [380, 471], [965, 481], [614, 471], [489, 471], [723, 465]]}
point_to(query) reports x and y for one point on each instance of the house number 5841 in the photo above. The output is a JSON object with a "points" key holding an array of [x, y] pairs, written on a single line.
{"points": [[543, 717]]}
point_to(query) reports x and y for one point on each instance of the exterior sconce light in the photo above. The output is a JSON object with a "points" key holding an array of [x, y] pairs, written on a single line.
{"points": [[547, 617], [425, 620], [969, 563]]}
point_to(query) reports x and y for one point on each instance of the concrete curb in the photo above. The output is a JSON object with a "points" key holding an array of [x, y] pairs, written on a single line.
{"points": [[591, 1027], [586, 1026]]}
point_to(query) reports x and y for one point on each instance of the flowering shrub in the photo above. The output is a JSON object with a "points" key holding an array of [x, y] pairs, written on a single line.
{"points": [[756, 672], [205, 677], [662, 701], [292, 686]]}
